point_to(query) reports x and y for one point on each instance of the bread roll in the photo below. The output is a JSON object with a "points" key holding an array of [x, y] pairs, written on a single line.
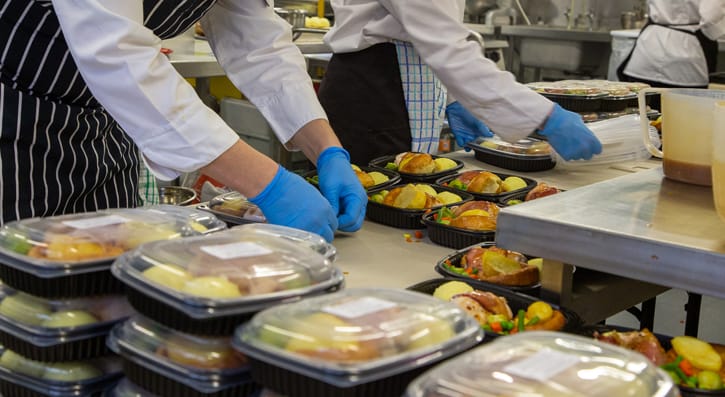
{"points": [[416, 163], [485, 182]]}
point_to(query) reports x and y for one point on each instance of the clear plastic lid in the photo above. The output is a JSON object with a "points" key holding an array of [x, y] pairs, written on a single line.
{"points": [[45, 322], [240, 270], [206, 364], [314, 241], [357, 335], [84, 242], [545, 364], [126, 388], [70, 378], [524, 148], [588, 88], [236, 205]]}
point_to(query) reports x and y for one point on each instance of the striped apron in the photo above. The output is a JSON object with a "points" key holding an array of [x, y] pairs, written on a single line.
{"points": [[60, 151]]}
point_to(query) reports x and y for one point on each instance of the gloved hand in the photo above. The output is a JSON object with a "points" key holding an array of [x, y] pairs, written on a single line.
{"points": [[568, 135], [465, 126], [290, 201], [342, 188]]}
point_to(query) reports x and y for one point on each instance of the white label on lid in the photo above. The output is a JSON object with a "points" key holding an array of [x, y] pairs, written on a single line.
{"points": [[543, 365], [359, 307], [90, 223], [243, 249]]}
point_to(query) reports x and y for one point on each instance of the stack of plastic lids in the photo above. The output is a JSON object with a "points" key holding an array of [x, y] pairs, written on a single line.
{"points": [[621, 140], [194, 293], [59, 299]]}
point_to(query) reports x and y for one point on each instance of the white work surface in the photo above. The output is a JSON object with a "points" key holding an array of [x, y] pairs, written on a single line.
{"points": [[379, 256]]}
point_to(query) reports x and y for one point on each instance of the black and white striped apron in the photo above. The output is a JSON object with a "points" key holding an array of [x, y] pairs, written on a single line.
{"points": [[60, 151]]}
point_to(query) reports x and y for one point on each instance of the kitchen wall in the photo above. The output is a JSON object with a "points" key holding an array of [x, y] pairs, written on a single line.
{"points": [[607, 12]]}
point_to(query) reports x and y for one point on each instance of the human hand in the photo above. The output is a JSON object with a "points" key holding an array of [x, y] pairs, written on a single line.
{"points": [[465, 126], [290, 201], [342, 188], [568, 135]]}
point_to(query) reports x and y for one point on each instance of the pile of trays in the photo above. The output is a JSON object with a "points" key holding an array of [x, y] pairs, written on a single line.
{"points": [[59, 299]]}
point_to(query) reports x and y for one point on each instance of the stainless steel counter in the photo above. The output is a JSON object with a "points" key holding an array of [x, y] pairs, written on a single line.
{"points": [[556, 33]]}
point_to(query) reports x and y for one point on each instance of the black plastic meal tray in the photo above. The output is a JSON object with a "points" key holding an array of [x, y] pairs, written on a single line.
{"points": [[229, 219], [453, 237], [183, 322], [83, 349], [618, 103], [293, 384], [16, 390], [380, 162], [74, 285], [512, 161], [588, 330], [405, 218], [577, 103], [394, 177], [495, 197], [161, 385], [455, 260], [515, 301]]}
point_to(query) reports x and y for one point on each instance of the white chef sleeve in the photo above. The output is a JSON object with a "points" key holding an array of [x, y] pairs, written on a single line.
{"points": [[713, 18]]}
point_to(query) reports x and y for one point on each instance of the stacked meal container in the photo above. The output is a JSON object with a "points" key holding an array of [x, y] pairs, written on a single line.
{"points": [[59, 300], [190, 295]]}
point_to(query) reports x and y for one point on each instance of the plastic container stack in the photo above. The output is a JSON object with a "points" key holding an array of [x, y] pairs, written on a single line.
{"points": [[192, 294], [60, 300]]}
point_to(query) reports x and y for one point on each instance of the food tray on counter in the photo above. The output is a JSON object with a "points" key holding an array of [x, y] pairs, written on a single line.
{"points": [[499, 197], [385, 337], [454, 259], [407, 177], [454, 237], [393, 177], [70, 256], [210, 284], [58, 330], [407, 218], [515, 300], [525, 155], [234, 209]]}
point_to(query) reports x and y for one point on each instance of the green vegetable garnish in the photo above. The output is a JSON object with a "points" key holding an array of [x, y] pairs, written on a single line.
{"points": [[457, 184], [391, 166]]}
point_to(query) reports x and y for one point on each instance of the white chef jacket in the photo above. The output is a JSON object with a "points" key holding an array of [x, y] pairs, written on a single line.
{"points": [[434, 27], [120, 60], [669, 56]]}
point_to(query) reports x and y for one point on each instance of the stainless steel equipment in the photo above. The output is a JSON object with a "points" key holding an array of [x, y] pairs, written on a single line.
{"points": [[309, 6]]}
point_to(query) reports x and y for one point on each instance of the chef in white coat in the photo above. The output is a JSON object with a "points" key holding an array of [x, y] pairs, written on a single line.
{"points": [[678, 45], [83, 85], [400, 65]]}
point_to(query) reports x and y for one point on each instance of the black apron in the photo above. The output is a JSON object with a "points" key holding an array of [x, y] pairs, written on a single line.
{"points": [[363, 97], [709, 48], [60, 150]]}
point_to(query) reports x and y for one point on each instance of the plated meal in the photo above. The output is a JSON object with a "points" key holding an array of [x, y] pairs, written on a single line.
{"points": [[539, 191], [417, 167], [370, 178], [494, 265]]}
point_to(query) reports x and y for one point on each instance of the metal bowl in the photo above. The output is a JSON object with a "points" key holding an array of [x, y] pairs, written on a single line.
{"points": [[176, 195]]}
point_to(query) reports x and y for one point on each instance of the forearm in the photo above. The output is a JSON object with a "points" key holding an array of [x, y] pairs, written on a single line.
{"points": [[243, 169], [313, 138]]}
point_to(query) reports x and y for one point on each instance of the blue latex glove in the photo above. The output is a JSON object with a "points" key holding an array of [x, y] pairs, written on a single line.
{"points": [[568, 135], [290, 201], [465, 126], [342, 188]]}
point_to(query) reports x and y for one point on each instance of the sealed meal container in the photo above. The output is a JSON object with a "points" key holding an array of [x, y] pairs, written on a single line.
{"points": [[488, 185], [525, 280], [463, 225], [126, 388], [210, 284], [58, 330], [233, 208], [546, 364], [410, 218], [525, 155], [356, 342], [70, 255], [22, 377], [171, 363], [371, 178], [490, 304], [657, 348], [440, 166]]}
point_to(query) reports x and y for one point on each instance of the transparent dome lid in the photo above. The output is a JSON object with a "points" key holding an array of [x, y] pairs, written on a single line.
{"points": [[45, 322], [545, 364], [239, 270], [126, 388], [314, 241], [526, 148], [357, 335], [238, 206], [79, 242]]}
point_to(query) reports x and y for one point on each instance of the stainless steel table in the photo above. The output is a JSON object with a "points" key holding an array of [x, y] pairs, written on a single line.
{"points": [[640, 226]]}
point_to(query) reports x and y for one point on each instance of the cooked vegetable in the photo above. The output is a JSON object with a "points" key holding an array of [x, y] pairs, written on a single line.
{"points": [[701, 354]]}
